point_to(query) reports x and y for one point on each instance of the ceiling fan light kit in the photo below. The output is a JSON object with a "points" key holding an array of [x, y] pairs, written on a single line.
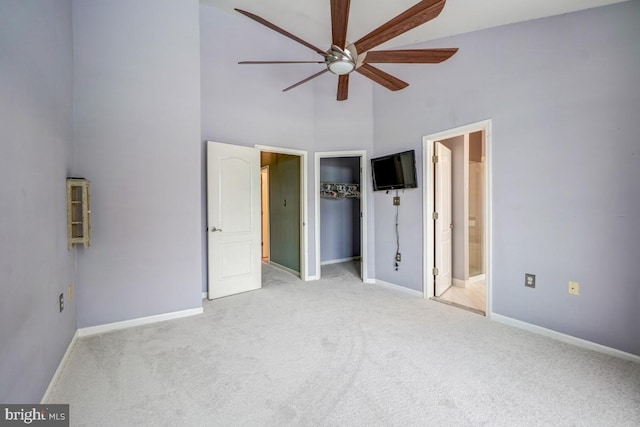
{"points": [[342, 59]]}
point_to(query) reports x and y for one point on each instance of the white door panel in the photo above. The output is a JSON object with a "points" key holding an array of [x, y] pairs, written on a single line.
{"points": [[233, 219], [443, 225]]}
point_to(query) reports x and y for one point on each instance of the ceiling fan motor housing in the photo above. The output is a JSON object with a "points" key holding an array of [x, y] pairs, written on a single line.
{"points": [[340, 61]]}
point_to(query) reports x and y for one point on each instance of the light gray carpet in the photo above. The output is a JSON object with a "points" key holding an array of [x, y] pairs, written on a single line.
{"points": [[338, 352]]}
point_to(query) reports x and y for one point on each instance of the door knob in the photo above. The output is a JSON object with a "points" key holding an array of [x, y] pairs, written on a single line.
{"points": [[214, 229]]}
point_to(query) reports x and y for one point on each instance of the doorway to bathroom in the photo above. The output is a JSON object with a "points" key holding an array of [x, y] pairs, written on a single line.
{"points": [[457, 217]]}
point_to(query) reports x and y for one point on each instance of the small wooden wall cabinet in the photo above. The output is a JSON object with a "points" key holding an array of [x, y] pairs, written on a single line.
{"points": [[78, 212]]}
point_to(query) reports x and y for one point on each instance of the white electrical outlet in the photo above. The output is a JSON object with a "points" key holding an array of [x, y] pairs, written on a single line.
{"points": [[574, 288]]}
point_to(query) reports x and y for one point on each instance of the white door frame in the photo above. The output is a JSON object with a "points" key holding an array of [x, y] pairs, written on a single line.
{"points": [[428, 206], [304, 204], [265, 170], [362, 154]]}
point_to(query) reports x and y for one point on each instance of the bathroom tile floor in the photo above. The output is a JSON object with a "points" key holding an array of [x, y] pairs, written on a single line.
{"points": [[472, 296]]}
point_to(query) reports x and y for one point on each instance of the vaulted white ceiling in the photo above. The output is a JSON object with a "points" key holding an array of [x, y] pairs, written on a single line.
{"points": [[310, 19]]}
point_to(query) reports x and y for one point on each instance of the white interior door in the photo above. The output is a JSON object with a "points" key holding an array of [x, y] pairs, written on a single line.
{"points": [[233, 219], [443, 223]]}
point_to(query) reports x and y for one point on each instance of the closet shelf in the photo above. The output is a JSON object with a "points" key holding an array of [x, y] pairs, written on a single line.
{"points": [[336, 190]]}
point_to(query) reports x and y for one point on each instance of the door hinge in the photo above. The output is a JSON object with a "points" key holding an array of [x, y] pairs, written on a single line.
{"points": [[434, 159], [434, 271], [435, 215]]}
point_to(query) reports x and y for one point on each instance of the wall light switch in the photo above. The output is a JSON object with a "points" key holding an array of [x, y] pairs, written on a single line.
{"points": [[574, 288], [396, 201]]}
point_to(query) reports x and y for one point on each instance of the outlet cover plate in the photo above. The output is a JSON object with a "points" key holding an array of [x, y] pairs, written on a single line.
{"points": [[530, 280], [574, 288], [396, 201]]}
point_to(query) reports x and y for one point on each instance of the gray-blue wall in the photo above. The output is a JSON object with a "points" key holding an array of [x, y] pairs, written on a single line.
{"points": [[36, 89], [137, 138], [339, 218], [564, 97], [563, 94]]}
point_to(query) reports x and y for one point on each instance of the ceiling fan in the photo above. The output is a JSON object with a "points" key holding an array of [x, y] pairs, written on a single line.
{"points": [[342, 58]]}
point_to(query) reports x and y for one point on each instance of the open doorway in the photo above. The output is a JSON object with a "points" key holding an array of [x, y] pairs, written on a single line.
{"points": [[282, 213], [457, 217], [341, 214]]}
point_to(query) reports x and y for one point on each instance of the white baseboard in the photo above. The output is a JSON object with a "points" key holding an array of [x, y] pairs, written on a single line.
{"points": [[459, 283], [477, 278], [398, 288], [338, 261], [108, 327], [565, 338], [205, 295], [283, 268], [369, 281], [58, 372]]}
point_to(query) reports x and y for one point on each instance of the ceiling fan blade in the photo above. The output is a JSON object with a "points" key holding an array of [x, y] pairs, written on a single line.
{"points": [[417, 15], [281, 31], [416, 56], [305, 80], [343, 87], [280, 62], [382, 78], [339, 20]]}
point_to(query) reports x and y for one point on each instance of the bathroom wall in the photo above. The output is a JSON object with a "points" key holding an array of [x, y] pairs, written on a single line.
{"points": [[476, 203]]}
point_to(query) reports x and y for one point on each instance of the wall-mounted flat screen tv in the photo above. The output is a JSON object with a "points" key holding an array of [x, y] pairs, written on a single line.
{"points": [[395, 171]]}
